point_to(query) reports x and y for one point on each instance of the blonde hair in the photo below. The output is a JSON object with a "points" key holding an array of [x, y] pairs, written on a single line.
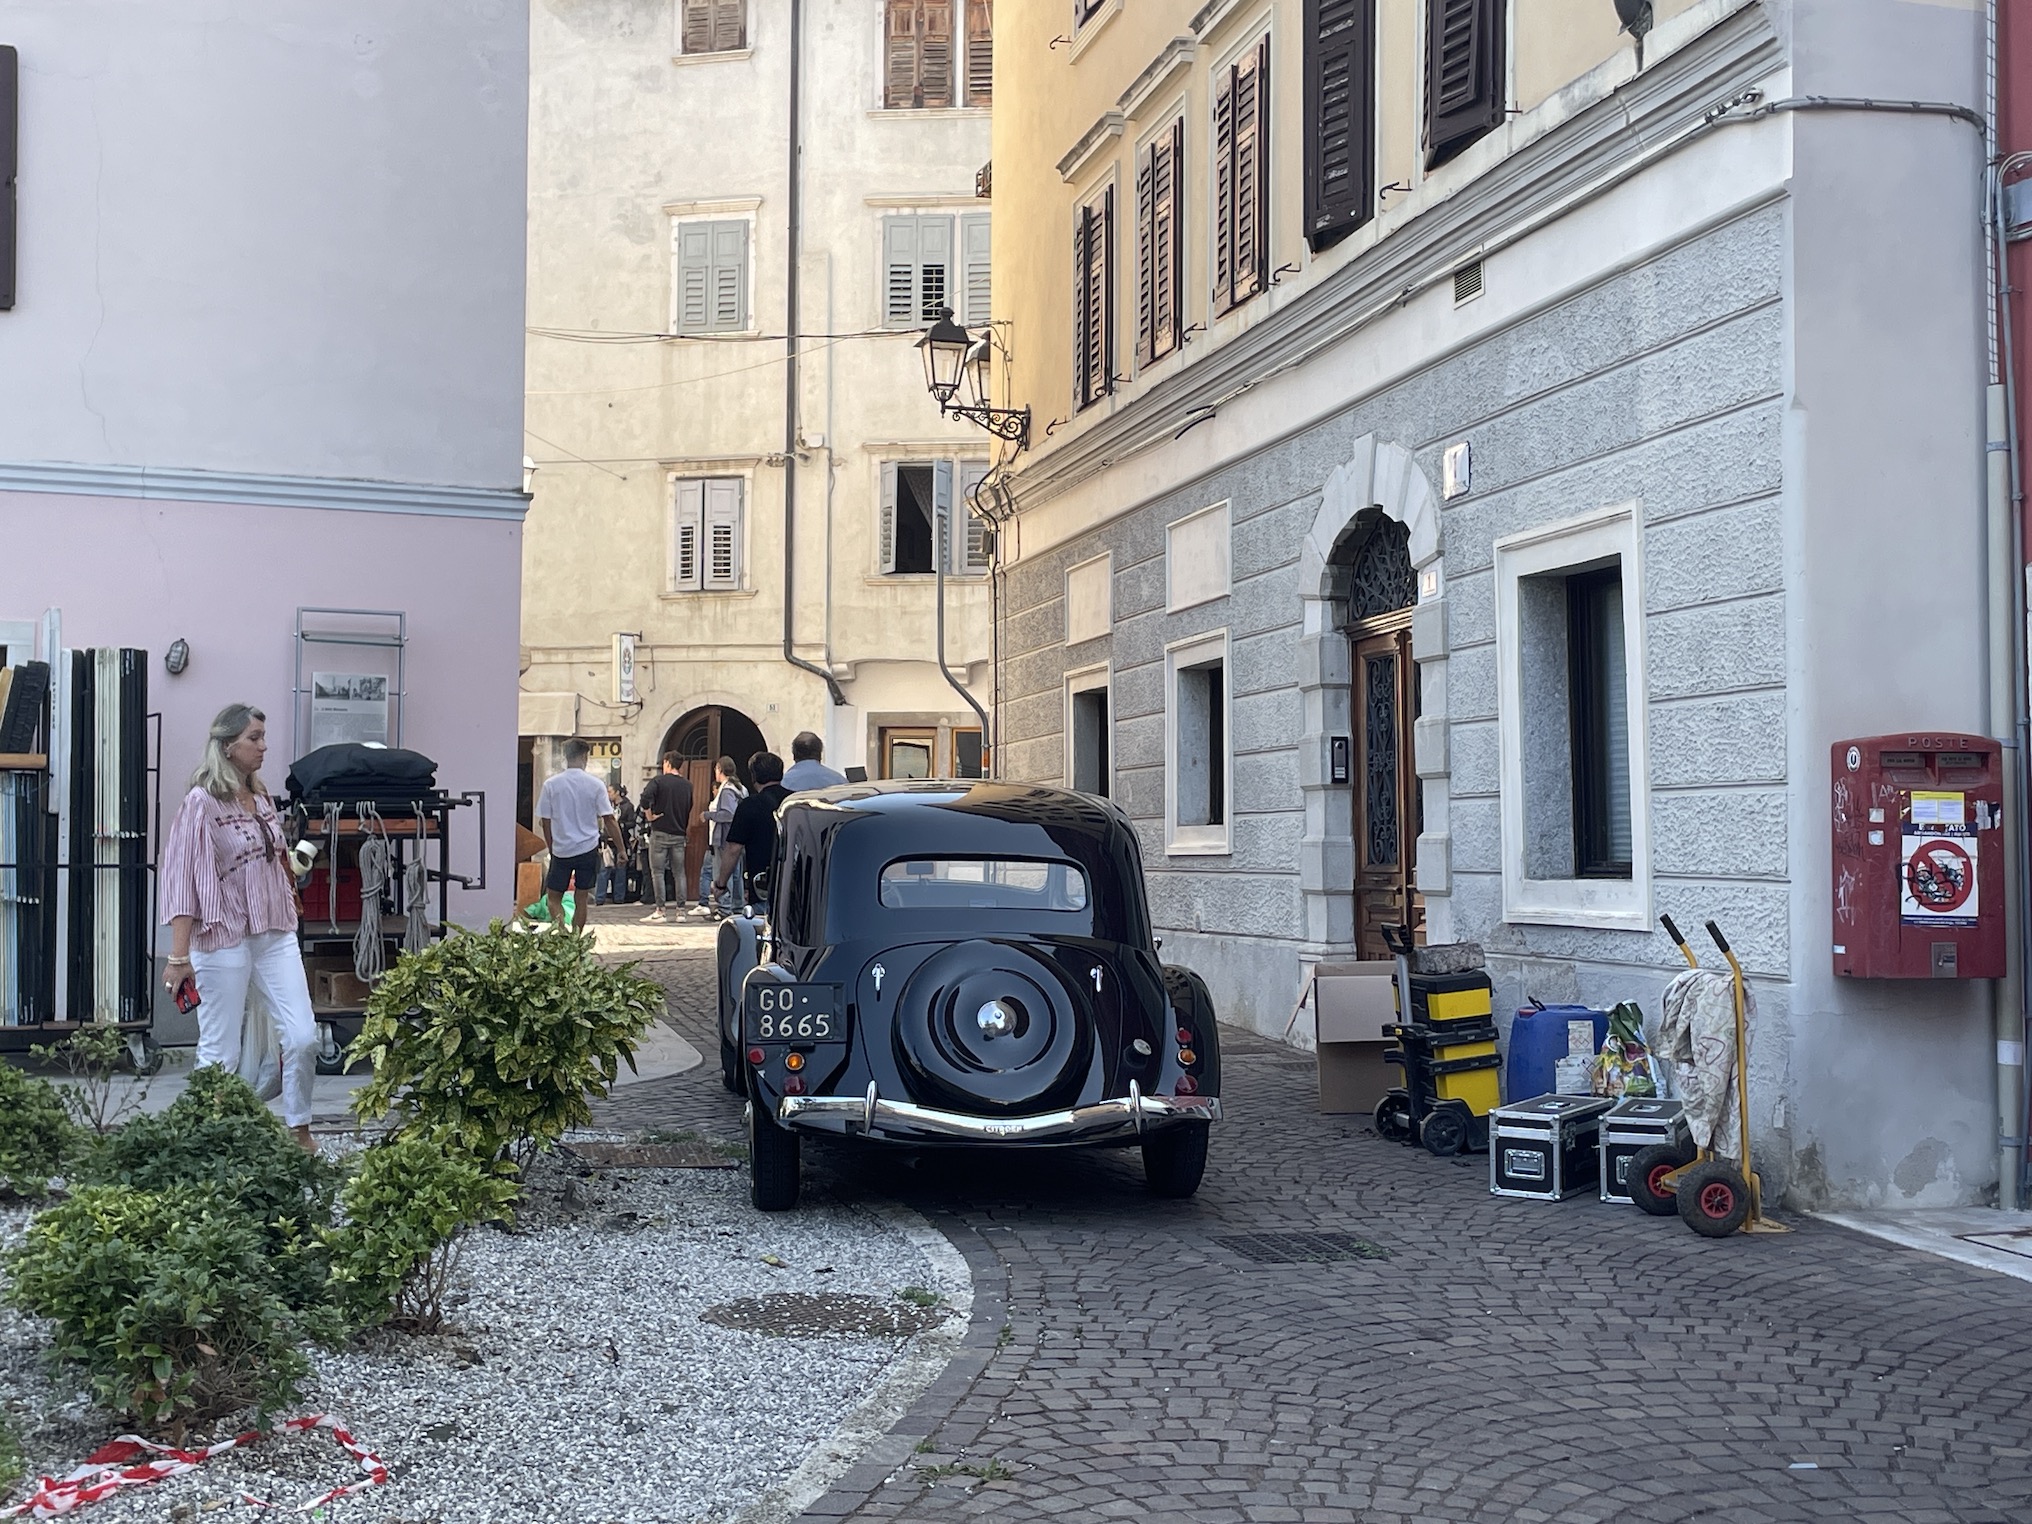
{"points": [[218, 775]]}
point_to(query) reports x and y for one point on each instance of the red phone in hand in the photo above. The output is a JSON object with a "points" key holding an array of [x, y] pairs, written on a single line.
{"points": [[187, 995]]}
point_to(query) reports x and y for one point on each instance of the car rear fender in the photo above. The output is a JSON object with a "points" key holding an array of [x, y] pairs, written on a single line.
{"points": [[1192, 1009], [740, 950]]}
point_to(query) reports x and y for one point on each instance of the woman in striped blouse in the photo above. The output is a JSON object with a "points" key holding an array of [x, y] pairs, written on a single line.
{"points": [[230, 903]]}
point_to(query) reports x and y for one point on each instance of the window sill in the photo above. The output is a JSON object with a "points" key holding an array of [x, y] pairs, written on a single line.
{"points": [[715, 333], [714, 592], [1199, 841], [1607, 904], [936, 112], [731, 55], [924, 579]]}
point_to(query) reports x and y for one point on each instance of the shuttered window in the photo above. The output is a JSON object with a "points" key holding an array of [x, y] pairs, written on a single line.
{"points": [[1241, 262], [917, 270], [1093, 261], [980, 52], [1160, 244], [713, 26], [1465, 53], [918, 56], [712, 276], [1340, 111], [927, 518], [705, 542]]}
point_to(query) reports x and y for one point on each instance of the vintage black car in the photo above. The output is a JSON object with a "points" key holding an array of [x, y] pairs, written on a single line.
{"points": [[955, 963]]}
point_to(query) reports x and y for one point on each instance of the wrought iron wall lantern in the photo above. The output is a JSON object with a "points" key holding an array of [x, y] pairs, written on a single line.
{"points": [[954, 358]]}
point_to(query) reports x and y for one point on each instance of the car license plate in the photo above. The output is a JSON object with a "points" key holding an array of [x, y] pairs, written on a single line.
{"points": [[794, 1013]]}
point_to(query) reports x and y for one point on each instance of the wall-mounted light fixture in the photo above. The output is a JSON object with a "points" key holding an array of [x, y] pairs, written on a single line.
{"points": [[1635, 18], [952, 358], [177, 657]]}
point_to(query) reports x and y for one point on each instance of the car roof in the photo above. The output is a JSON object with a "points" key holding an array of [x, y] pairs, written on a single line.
{"points": [[1029, 803]]}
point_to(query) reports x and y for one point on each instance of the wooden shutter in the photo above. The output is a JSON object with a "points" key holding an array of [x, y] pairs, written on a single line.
{"points": [[729, 275], [10, 155], [1340, 115], [885, 535], [976, 284], [723, 534], [1464, 55], [694, 276], [1093, 258], [1223, 261], [1252, 172], [980, 52], [942, 514], [687, 551], [899, 271], [730, 25], [934, 267], [899, 60], [1159, 245], [973, 556], [697, 26], [935, 72], [1146, 253]]}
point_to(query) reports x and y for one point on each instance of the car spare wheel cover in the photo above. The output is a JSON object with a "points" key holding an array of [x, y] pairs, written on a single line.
{"points": [[987, 1025]]}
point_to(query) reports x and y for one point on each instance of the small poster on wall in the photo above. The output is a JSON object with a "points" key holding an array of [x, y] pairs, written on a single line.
{"points": [[348, 706]]}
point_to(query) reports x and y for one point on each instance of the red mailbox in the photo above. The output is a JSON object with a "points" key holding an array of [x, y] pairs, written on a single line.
{"points": [[1918, 857]]}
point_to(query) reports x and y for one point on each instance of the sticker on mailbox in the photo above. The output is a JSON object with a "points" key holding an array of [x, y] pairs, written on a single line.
{"points": [[1937, 876]]}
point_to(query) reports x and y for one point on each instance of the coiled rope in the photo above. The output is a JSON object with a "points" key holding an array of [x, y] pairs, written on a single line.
{"points": [[370, 955], [415, 897]]}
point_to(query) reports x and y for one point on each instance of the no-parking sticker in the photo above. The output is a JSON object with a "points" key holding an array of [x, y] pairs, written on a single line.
{"points": [[1937, 873]]}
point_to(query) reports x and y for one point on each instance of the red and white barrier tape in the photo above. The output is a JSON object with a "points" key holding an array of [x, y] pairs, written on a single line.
{"points": [[116, 1465]]}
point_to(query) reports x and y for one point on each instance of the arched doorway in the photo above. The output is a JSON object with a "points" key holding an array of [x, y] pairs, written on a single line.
{"points": [[1371, 577], [700, 737]]}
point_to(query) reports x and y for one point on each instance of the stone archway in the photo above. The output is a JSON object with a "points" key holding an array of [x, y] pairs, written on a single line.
{"points": [[1381, 476]]}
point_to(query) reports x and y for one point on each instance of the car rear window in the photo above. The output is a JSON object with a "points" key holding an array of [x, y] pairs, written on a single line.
{"points": [[982, 883]]}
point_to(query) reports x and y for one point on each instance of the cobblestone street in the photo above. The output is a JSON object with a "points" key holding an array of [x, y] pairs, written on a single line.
{"points": [[1507, 1360]]}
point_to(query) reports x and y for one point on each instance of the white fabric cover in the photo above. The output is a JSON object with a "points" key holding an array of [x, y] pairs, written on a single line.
{"points": [[1697, 1034]]}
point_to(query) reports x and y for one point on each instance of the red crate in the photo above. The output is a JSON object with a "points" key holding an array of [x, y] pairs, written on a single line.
{"points": [[316, 894]]}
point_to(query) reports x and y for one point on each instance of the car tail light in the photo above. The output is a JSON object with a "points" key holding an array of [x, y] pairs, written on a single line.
{"points": [[794, 1085], [1185, 1037], [1187, 1056], [793, 1062], [1186, 1085], [756, 1056]]}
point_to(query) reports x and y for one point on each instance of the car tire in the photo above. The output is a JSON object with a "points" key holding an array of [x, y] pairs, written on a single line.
{"points": [[1174, 1160], [730, 1067], [773, 1162], [1645, 1175]]}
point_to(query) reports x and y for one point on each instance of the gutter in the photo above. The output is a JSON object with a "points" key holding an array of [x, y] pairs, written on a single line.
{"points": [[792, 313]]}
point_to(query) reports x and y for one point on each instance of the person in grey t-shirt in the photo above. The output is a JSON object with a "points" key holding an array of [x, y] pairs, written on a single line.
{"points": [[574, 814]]}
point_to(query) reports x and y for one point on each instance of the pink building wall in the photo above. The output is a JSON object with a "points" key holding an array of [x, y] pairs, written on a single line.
{"points": [[229, 578]]}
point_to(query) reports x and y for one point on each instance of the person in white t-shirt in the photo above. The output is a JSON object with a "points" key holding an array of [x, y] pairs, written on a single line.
{"points": [[574, 814]]}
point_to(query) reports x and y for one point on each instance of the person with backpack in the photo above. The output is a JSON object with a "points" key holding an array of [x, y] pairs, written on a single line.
{"points": [[727, 796]]}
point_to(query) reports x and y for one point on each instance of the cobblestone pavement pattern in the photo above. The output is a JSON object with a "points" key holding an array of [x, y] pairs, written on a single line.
{"points": [[1509, 1360]]}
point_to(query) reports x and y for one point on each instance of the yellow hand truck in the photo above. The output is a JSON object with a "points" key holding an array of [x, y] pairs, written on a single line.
{"points": [[1711, 1195]]}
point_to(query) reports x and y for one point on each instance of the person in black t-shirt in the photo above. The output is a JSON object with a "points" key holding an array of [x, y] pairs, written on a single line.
{"points": [[666, 806], [751, 835]]}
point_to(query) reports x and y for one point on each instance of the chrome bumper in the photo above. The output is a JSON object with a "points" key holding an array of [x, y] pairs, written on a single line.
{"points": [[1129, 1116]]}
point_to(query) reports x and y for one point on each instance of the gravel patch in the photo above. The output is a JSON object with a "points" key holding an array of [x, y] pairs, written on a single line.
{"points": [[582, 1380]]}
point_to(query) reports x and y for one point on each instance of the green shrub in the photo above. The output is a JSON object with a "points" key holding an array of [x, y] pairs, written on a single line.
{"points": [[404, 1211], [37, 1135], [497, 1039], [218, 1136], [167, 1300]]}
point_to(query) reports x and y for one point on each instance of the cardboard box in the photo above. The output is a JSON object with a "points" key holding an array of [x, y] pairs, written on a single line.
{"points": [[338, 990], [1351, 1004]]}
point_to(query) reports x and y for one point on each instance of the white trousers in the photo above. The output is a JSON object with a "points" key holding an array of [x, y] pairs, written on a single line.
{"points": [[270, 962]]}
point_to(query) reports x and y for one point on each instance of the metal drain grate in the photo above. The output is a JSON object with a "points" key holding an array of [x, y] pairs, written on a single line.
{"points": [[1301, 1248]]}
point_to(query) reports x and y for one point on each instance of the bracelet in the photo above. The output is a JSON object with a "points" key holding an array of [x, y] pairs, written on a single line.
{"points": [[172, 962]]}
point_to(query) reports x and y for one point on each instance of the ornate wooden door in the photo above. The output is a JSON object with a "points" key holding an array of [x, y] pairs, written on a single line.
{"points": [[1386, 787], [1382, 587]]}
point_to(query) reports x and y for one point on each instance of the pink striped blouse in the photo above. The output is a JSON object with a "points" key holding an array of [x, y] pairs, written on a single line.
{"points": [[217, 869]]}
